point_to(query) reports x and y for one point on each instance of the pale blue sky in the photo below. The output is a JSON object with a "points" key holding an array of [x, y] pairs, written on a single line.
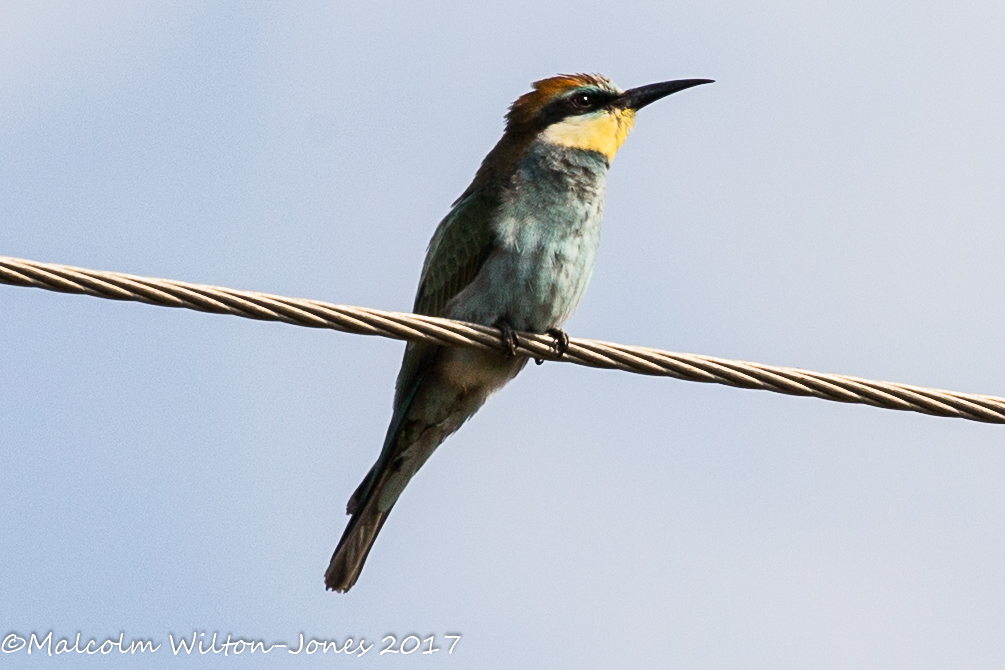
{"points": [[833, 202]]}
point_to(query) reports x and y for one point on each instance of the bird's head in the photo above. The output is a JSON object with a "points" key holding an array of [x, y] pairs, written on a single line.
{"points": [[579, 111], [585, 111]]}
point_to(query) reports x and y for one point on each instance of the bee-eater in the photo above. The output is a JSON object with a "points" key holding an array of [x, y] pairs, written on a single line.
{"points": [[516, 252]]}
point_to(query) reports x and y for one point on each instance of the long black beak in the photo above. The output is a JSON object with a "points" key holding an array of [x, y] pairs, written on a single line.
{"points": [[637, 98]]}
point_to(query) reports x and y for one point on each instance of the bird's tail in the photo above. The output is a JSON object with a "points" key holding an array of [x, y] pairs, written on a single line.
{"points": [[366, 510], [353, 548], [421, 421]]}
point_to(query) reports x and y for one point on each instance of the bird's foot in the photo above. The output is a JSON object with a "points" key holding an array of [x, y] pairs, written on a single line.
{"points": [[508, 335], [560, 345]]}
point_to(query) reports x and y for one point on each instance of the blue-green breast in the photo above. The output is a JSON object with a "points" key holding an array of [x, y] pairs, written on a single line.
{"points": [[546, 232]]}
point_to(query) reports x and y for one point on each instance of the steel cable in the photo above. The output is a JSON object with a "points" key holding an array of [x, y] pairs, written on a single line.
{"points": [[592, 353]]}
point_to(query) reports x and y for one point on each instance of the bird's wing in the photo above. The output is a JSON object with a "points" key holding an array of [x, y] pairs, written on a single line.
{"points": [[459, 247], [456, 253]]}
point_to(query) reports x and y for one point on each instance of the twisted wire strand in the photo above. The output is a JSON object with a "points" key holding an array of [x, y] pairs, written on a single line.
{"points": [[415, 327]]}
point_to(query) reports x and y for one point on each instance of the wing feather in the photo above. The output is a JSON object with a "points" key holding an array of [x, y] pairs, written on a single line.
{"points": [[456, 253]]}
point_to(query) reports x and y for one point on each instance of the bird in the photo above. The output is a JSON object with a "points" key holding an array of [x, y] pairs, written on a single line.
{"points": [[515, 252]]}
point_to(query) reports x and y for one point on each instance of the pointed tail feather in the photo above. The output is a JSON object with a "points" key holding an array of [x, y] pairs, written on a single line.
{"points": [[412, 436], [351, 552], [367, 518]]}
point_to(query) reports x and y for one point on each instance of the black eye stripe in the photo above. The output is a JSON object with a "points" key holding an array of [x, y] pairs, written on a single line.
{"points": [[573, 104], [582, 101]]}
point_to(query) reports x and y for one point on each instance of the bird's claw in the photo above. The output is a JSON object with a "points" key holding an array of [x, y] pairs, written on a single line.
{"points": [[512, 342], [561, 344], [508, 336]]}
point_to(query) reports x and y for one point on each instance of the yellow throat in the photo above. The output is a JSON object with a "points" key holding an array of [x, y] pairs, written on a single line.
{"points": [[603, 131]]}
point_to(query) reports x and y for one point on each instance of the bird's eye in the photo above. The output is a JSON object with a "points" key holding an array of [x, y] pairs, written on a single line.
{"points": [[582, 100]]}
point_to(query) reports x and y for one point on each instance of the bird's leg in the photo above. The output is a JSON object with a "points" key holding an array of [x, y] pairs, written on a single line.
{"points": [[561, 344], [508, 335]]}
